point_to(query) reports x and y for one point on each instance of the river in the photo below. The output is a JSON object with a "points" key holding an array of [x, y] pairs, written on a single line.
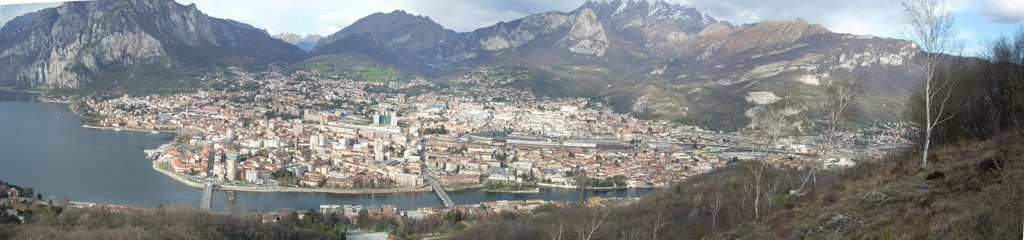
{"points": [[43, 146]]}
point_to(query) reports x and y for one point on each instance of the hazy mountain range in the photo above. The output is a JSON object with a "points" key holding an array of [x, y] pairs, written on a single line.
{"points": [[651, 59], [306, 43]]}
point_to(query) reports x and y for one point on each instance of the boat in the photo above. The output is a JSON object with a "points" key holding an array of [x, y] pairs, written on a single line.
{"points": [[154, 132], [117, 129]]}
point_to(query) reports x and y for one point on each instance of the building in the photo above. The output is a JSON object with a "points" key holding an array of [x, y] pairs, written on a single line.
{"points": [[328, 209], [461, 179], [378, 150], [389, 119], [232, 167]]}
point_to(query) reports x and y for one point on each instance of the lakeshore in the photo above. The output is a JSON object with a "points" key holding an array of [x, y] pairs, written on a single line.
{"points": [[549, 185], [194, 184], [534, 190]]}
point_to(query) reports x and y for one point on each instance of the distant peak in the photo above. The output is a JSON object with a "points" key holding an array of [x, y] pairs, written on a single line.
{"points": [[656, 9]]}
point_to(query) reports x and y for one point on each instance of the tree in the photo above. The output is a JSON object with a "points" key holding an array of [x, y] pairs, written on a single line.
{"points": [[656, 225], [840, 98], [770, 124], [930, 25], [581, 184], [713, 207], [586, 229], [27, 192], [556, 232], [363, 218]]}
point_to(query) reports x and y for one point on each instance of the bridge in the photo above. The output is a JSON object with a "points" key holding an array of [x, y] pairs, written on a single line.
{"points": [[206, 201], [434, 185]]}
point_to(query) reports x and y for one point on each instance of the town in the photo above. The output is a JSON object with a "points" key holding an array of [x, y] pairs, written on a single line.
{"points": [[321, 131]]}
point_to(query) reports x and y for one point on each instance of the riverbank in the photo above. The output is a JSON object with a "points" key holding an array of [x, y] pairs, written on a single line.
{"points": [[479, 185], [549, 185], [186, 181], [534, 190]]}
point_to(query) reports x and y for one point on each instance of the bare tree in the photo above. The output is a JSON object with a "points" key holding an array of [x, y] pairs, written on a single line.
{"points": [[840, 98], [930, 25], [771, 124], [656, 225], [771, 189], [586, 229], [629, 234], [556, 232], [713, 207]]}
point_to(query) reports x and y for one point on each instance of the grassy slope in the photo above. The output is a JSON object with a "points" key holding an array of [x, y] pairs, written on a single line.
{"points": [[144, 79], [971, 191]]}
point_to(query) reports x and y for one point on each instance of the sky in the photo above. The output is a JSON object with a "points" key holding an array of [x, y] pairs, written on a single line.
{"points": [[978, 21]]}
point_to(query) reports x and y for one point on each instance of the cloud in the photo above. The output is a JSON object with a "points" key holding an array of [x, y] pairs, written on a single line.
{"points": [[873, 17], [1004, 11]]}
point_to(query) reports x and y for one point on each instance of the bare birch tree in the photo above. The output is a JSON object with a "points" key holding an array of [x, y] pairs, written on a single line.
{"points": [[713, 207], [930, 25], [840, 98], [629, 234], [556, 230], [586, 229], [656, 225], [771, 189], [771, 124]]}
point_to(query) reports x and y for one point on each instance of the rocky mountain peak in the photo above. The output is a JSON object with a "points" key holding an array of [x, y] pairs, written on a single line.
{"points": [[78, 42], [306, 43], [587, 35], [289, 37], [398, 29], [630, 14]]}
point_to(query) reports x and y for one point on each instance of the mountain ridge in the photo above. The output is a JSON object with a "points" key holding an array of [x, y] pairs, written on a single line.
{"points": [[74, 44], [306, 43], [637, 50], [648, 58]]}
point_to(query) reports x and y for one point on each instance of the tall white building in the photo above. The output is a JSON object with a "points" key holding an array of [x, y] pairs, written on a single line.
{"points": [[378, 149], [232, 170], [318, 140]]}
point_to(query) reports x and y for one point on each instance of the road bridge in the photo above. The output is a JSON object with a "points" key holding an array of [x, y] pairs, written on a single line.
{"points": [[207, 198], [434, 185]]}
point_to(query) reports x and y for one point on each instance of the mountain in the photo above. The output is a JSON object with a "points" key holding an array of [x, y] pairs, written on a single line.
{"points": [[654, 59], [306, 43], [716, 76], [109, 43], [648, 58], [413, 42]]}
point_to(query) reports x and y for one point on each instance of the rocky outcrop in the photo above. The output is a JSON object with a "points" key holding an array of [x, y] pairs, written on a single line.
{"points": [[73, 44], [587, 35]]}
